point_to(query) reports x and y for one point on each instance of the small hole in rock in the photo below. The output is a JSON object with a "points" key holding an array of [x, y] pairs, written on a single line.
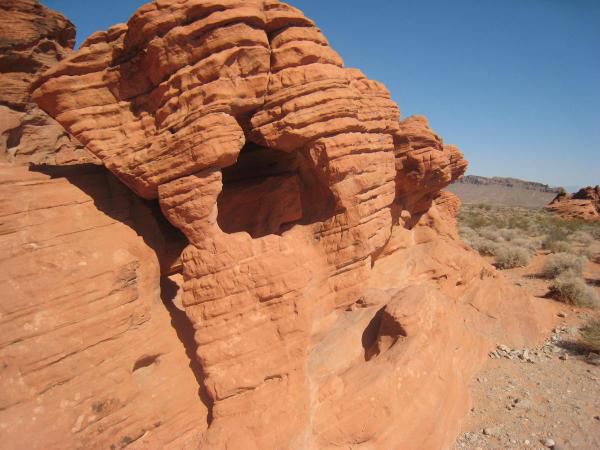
{"points": [[145, 361], [369, 336]]}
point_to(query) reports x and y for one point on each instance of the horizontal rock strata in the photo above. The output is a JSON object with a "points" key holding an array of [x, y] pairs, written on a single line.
{"points": [[32, 39], [89, 355], [331, 301]]}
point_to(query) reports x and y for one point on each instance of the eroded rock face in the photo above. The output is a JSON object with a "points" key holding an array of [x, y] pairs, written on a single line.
{"points": [[584, 204], [424, 166], [332, 302], [89, 355], [32, 39]]}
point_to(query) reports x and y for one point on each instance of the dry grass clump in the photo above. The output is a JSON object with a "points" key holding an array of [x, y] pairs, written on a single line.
{"points": [[590, 335], [570, 288], [484, 246], [466, 232], [510, 256], [508, 234], [558, 246], [560, 263], [532, 245], [491, 234], [489, 228], [554, 233], [585, 253], [582, 237]]}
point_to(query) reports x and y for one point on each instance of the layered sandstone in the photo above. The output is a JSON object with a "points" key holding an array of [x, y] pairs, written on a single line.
{"points": [[424, 165], [332, 302], [32, 39], [583, 205], [89, 355]]}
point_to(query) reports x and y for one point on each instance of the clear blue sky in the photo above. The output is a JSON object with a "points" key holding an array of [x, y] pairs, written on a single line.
{"points": [[514, 83]]}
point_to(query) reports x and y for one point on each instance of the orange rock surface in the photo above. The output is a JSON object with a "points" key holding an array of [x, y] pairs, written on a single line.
{"points": [[89, 355], [583, 205], [32, 39], [332, 302]]}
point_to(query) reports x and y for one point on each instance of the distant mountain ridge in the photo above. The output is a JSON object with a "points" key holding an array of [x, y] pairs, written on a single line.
{"points": [[503, 191], [508, 182]]}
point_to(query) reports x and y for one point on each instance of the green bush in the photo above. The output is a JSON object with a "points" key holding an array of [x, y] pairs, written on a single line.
{"points": [[570, 288], [509, 257], [559, 263]]}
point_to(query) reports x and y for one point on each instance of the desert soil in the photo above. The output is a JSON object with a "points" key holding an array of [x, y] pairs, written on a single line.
{"points": [[547, 395]]}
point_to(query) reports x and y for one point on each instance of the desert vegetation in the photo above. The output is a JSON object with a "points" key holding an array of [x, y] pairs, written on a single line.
{"points": [[571, 288], [560, 263], [590, 335], [512, 236]]}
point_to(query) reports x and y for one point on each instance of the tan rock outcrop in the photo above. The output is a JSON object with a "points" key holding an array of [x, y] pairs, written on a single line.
{"points": [[332, 302], [32, 39], [582, 205]]}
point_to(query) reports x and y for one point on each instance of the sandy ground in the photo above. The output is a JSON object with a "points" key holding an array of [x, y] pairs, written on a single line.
{"points": [[548, 397]]}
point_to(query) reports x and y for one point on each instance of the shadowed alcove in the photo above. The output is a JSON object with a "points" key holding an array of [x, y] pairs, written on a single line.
{"points": [[269, 191]]}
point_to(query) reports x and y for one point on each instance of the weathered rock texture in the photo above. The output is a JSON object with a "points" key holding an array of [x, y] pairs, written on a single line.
{"points": [[32, 39], [89, 355], [583, 205], [332, 302]]}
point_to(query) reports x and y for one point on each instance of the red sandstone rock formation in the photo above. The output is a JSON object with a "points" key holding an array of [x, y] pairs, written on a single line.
{"points": [[89, 356], [584, 204], [424, 165], [32, 39], [332, 302]]}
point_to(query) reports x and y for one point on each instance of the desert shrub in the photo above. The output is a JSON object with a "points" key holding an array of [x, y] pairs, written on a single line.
{"points": [[467, 233], [570, 288], [484, 246], [530, 244], [590, 335], [558, 246], [472, 219], [490, 234], [524, 222], [562, 262], [585, 253], [520, 221], [466, 230], [595, 232], [509, 234], [509, 257], [582, 237], [554, 233]]}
